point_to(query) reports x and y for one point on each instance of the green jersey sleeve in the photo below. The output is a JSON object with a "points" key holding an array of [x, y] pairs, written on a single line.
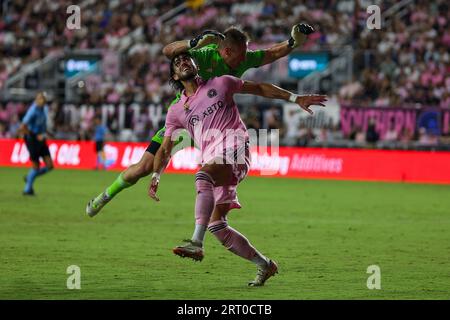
{"points": [[253, 59], [203, 55], [177, 97]]}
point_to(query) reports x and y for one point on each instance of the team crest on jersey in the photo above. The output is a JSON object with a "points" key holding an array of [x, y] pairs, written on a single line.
{"points": [[212, 93]]}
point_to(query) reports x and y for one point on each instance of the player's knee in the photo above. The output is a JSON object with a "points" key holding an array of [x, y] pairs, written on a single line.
{"points": [[204, 182]]}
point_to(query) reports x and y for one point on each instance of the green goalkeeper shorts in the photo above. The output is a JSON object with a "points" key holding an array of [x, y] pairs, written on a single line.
{"points": [[184, 136]]}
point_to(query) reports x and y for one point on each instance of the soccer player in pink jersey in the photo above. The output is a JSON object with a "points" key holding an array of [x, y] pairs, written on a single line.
{"points": [[208, 112]]}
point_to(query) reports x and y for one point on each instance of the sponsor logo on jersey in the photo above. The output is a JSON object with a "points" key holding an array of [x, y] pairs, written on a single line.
{"points": [[194, 119], [213, 108]]}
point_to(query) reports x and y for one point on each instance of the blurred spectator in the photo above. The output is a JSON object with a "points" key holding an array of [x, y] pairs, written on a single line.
{"points": [[351, 90], [142, 127], [4, 134], [427, 138], [251, 118], [305, 135], [324, 135], [406, 136], [335, 133], [360, 136], [391, 134], [14, 125], [4, 114], [372, 135]]}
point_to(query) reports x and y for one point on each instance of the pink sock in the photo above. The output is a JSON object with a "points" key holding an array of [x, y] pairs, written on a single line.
{"points": [[204, 203], [236, 242]]}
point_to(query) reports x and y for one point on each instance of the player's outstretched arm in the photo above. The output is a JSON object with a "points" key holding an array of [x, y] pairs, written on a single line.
{"points": [[299, 34], [271, 91], [162, 157], [203, 39]]}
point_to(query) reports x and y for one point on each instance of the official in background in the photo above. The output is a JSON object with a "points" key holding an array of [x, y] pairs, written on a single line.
{"points": [[34, 131], [100, 132]]}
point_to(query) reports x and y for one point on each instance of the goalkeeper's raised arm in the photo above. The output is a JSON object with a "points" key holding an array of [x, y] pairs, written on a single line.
{"points": [[205, 38], [226, 40], [299, 34]]}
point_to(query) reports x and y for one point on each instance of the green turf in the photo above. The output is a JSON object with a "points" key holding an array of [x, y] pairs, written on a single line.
{"points": [[323, 234]]}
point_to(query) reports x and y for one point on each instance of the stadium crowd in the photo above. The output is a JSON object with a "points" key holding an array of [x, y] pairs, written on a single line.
{"points": [[406, 62]]}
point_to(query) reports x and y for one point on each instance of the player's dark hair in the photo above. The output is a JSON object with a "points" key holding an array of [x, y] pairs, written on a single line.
{"points": [[176, 84], [234, 36]]}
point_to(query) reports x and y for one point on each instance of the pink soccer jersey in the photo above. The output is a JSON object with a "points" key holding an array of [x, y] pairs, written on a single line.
{"points": [[211, 118]]}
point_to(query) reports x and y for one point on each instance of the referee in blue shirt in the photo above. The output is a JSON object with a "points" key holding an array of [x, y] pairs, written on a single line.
{"points": [[34, 128], [100, 132]]}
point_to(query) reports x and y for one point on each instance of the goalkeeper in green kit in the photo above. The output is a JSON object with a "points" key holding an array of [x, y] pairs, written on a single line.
{"points": [[216, 55]]}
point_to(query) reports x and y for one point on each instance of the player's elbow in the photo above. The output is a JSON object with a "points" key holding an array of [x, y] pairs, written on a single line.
{"points": [[168, 51]]}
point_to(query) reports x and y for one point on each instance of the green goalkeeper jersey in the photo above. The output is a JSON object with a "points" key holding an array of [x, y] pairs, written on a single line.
{"points": [[211, 64]]}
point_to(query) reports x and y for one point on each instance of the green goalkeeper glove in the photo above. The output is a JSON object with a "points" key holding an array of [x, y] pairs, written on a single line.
{"points": [[298, 34], [205, 38]]}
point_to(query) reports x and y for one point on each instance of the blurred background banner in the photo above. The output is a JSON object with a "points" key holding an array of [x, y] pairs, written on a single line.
{"points": [[342, 164], [399, 119], [320, 128], [302, 64]]}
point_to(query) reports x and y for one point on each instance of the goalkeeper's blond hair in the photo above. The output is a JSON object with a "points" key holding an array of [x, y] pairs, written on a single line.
{"points": [[234, 36]]}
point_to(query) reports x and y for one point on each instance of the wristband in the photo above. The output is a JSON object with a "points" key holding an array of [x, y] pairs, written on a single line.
{"points": [[291, 42], [193, 43], [293, 97]]}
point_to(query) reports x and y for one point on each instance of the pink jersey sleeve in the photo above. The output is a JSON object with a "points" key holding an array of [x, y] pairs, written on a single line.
{"points": [[232, 84], [172, 122]]}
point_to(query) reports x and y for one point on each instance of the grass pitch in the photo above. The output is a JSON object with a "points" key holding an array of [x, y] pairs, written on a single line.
{"points": [[323, 234]]}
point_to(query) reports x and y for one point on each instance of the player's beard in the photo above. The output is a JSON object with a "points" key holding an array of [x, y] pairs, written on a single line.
{"points": [[189, 75]]}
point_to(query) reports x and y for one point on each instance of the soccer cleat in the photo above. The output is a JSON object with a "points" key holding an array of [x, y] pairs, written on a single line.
{"points": [[191, 249], [95, 205], [29, 193], [264, 274]]}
